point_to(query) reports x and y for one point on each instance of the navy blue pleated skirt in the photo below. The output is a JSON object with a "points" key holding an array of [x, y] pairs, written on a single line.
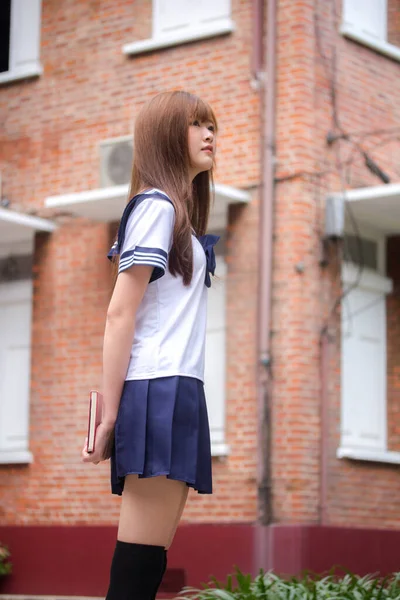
{"points": [[162, 429]]}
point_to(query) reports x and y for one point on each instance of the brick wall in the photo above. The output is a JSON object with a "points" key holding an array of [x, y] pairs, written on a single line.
{"points": [[295, 294], [49, 145], [363, 494], [313, 59], [393, 22], [89, 92]]}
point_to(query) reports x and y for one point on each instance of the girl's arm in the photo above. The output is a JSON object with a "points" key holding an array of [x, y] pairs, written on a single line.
{"points": [[118, 338]]}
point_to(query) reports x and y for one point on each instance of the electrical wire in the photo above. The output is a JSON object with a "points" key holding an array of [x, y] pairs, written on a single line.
{"points": [[371, 132], [382, 298], [361, 146], [331, 70]]}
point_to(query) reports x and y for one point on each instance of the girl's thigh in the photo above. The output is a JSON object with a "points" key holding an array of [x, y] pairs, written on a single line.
{"points": [[151, 509]]}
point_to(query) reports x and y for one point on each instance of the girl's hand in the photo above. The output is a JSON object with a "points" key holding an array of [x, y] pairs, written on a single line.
{"points": [[104, 439]]}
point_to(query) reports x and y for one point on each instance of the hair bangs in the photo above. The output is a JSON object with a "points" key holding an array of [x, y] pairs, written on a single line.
{"points": [[203, 112]]}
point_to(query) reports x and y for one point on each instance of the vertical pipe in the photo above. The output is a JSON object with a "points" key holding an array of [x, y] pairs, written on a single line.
{"points": [[258, 34], [324, 362], [268, 92]]}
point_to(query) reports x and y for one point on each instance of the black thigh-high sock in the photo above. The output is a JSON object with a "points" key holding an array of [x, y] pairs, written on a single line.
{"points": [[135, 571], [164, 568]]}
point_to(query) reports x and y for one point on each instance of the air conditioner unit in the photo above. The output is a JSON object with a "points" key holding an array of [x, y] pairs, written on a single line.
{"points": [[116, 157]]}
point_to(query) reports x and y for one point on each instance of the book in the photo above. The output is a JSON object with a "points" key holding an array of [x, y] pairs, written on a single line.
{"points": [[95, 416], [95, 413]]}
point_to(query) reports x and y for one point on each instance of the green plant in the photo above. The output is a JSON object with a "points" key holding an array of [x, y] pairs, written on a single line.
{"points": [[268, 586], [5, 564]]}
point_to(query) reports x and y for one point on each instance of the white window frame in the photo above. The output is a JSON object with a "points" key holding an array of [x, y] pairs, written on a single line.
{"points": [[218, 27], [216, 397], [16, 292], [379, 45], [25, 28], [369, 233], [377, 280]]}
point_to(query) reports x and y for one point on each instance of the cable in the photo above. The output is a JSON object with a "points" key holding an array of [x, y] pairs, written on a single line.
{"points": [[359, 148], [382, 298], [331, 71]]}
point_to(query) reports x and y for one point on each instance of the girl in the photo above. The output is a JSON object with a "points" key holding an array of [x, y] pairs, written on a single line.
{"points": [[153, 354]]}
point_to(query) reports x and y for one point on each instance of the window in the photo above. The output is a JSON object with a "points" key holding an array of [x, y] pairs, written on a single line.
{"points": [[182, 15], [364, 427], [364, 360], [362, 251], [19, 39], [5, 24], [215, 379], [363, 350], [17, 231], [367, 17], [369, 22], [15, 358], [180, 21]]}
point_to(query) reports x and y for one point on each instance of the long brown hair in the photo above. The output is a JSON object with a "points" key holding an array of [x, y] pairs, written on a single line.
{"points": [[161, 160]]}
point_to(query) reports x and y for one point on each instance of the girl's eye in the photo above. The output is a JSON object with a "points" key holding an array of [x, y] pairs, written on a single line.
{"points": [[211, 128], [196, 123]]}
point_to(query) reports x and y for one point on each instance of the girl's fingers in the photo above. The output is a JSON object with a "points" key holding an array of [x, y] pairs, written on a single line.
{"points": [[86, 457]]}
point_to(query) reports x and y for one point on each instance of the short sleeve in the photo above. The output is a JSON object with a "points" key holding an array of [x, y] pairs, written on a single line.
{"points": [[148, 236]]}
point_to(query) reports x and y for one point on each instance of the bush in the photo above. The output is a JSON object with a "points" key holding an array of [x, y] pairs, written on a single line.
{"points": [[5, 565], [268, 586]]}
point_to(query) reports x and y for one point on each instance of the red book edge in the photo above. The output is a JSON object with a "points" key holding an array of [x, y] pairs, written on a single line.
{"points": [[95, 413]]}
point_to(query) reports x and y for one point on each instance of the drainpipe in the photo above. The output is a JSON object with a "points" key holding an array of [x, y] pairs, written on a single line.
{"points": [[324, 369], [264, 396], [258, 40]]}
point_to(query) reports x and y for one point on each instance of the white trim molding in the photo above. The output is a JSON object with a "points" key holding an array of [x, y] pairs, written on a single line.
{"points": [[220, 449], [175, 39], [19, 218], [376, 206], [17, 457], [107, 204], [27, 73], [17, 231], [380, 46], [24, 45], [369, 455], [368, 280]]}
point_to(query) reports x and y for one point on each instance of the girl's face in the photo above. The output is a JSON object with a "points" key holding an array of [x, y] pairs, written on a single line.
{"points": [[202, 147]]}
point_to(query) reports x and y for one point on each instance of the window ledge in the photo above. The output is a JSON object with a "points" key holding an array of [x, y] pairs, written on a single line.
{"points": [[27, 73], [382, 456], [221, 28], [16, 457], [379, 45], [220, 449]]}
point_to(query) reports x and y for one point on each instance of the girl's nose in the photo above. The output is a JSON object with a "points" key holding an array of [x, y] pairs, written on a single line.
{"points": [[208, 135]]}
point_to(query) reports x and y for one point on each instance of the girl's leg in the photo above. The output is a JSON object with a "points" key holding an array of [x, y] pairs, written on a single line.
{"points": [[178, 516], [151, 509], [150, 512]]}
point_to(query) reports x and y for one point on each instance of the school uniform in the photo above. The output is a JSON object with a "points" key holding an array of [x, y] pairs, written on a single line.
{"points": [[162, 424]]}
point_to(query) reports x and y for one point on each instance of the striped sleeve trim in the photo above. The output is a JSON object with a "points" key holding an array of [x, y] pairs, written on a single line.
{"points": [[143, 256]]}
